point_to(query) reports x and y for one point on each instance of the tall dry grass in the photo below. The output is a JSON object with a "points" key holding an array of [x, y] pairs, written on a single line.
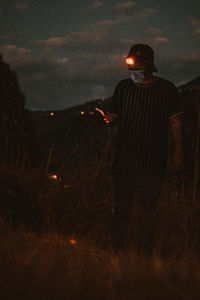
{"points": [[50, 267], [41, 215]]}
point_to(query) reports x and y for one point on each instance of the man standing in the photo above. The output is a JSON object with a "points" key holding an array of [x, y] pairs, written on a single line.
{"points": [[145, 107]]}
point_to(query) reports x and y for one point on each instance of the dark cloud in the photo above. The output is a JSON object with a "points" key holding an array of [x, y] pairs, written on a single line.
{"points": [[101, 37], [160, 39], [22, 7], [6, 38], [179, 69], [146, 13], [195, 23], [127, 8], [132, 10], [15, 55], [155, 30], [197, 31], [95, 6]]}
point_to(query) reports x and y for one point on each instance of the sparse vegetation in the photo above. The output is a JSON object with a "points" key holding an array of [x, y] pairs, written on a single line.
{"points": [[40, 214], [50, 267]]}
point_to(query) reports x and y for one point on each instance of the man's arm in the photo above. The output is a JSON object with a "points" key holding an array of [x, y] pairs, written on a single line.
{"points": [[177, 133]]}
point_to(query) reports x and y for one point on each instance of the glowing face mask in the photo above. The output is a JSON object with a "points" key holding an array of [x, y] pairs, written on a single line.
{"points": [[137, 76]]}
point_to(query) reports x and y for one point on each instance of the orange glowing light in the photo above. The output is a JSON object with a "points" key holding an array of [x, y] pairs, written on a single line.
{"points": [[73, 242], [101, 111], [53, 177], [82, 112], [130, 61], [107, 122], [52, 114]]}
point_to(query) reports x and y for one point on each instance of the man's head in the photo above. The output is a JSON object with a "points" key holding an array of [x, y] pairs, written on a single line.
{"points": [[141, 56]]}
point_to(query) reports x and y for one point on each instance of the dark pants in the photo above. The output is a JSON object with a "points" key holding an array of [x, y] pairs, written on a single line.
{"points": [[145, 191]]}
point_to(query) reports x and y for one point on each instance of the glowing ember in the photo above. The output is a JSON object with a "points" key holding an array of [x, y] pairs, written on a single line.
{"points": [[103, 114], [72, 242], [52, 114], [101, 111], [107, 122], [53, 177], [82, 112]]}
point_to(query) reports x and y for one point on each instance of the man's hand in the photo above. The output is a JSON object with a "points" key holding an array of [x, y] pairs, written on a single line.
{"points": [[110, 118]]}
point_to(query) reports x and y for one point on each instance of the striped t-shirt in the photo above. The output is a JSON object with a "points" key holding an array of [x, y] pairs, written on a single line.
{"points": [[141, 144]]}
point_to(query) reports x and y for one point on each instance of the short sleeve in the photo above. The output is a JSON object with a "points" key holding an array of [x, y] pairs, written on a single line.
{"points": [[175, 103], [114, 106]]}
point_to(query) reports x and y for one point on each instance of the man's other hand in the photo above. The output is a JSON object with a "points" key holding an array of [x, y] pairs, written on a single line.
{"points": [[110, 118]]}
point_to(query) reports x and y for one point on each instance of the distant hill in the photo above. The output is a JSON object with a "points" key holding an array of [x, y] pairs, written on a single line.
{"points": [[46, 122], [72, 135], [50, 120], [191, 85], [78, 135]]}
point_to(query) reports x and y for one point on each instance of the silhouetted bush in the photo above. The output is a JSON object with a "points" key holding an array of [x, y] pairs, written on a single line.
{"points": [[16, 131]]}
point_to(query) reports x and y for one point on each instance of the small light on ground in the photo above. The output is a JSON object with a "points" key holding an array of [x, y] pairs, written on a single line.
{"points": [[82, 112], [66, 186], [53, 177], [52, 114], [107, 122], [73, 242]]}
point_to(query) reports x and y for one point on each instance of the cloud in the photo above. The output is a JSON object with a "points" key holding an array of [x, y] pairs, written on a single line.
{"points": [[146, 13], [179, 68], [101, 37], [126, 8], [195, 22], [197, 31], [196, 25], [193, 57], [6, 38], [95, 6], [17, 38], [22, 7], [155, 30], [133, 10], [55, 42], [14, 55], [160, 39], [62, 61]]}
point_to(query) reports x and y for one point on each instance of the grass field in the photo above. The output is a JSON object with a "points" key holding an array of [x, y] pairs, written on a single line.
{"points": [[52, 266], [54, 232], [53, 235]]}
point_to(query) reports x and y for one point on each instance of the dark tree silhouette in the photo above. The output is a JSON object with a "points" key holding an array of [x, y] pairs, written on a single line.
{"points": [[15, 126]]}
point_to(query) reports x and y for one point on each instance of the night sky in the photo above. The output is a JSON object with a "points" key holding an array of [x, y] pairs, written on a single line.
{"points": [[70, 52]]}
